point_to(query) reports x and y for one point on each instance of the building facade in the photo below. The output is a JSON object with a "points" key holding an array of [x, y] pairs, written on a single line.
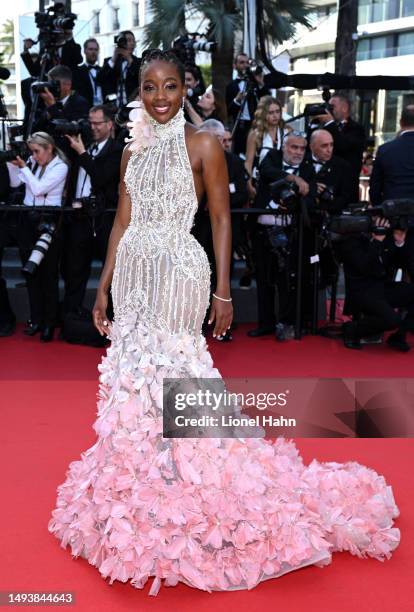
{"points": [[385, 47]]}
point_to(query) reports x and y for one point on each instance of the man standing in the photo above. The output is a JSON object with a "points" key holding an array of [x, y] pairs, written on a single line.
{"points": [[348, 138], [272, 264], [87, 76], [393, 177], [242, 96], [120, 72], [95, 173]]}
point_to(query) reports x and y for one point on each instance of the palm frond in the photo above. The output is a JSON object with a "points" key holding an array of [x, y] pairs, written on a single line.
{"points": [[282, 16], [224, 18], [168, 22]]}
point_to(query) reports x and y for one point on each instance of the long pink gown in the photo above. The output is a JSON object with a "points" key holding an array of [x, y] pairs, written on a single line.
{"points": [[216, 514]]}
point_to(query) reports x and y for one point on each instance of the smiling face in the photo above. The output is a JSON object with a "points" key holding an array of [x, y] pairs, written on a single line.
{"points": [[162, 90]]}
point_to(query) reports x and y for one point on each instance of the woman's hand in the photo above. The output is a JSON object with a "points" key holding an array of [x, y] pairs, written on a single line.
{"points": [[19, 162], [100, 319], [222, 313], [251, 190]]}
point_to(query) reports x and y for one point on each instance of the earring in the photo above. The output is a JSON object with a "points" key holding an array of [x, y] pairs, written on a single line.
{"points": [[183, 103]]}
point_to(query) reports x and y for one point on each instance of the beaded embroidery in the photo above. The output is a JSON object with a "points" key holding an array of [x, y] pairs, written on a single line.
{"points": [[161, 272]]}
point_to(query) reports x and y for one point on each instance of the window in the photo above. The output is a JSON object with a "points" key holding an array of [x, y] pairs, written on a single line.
{"points": [[95, 22], [135, 14], [371, 11], [377, 47], [363, 50], [407, 8], [406, 43], [115, 19]]}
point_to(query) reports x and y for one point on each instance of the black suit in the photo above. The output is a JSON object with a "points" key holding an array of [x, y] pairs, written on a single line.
{"points": [[74, 108], [335, 173], [233, 109], [110, 77], [369, 290], [393, 171], [273, 270], [393, 177], [85, 237], [71, 56], [84, 84], [349, 143]]}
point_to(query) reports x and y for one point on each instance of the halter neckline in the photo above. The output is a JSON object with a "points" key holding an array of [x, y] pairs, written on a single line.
{"points": [[172, 127]]}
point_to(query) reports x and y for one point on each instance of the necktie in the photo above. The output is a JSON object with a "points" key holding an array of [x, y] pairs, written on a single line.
{"points": [[94, 149]]}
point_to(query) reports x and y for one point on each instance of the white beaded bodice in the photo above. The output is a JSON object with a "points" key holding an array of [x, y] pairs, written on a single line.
{"points": [[161, 272]]}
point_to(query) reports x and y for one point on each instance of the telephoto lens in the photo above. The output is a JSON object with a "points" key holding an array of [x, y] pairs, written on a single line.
{"points": [[40, 248]]}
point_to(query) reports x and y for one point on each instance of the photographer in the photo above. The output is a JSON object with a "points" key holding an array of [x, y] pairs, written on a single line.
{"points": [[370, 293], [242, 96], [68, 53], [44, 178], [348, 138], [331, 175], [120, 73], [87, 77], [193, 85], [210, 106], [93, 188], [61, 103], [273, 261]]}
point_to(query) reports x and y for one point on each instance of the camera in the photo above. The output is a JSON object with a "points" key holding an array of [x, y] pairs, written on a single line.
{"points": [[327, 195], [53, 23], [47, 231], [399, 212], [185, 47], [313, 110], [121, 41], [39, 87], [93, 205], [18, 146], [286, 192], [71, 128]]}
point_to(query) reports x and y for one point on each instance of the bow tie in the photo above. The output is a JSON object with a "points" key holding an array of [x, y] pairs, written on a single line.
{"points": [[318, 163], [92, 67], [289, 166]]}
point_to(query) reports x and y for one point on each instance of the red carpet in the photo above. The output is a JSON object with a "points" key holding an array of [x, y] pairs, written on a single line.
{"points": [[48, 395]]}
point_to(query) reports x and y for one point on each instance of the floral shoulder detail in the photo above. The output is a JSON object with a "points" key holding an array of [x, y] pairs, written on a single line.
{"points": [[141, 132]]}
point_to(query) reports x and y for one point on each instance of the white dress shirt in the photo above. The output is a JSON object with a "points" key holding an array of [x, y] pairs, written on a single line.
{"points": [[83, 184], [45, 186]]}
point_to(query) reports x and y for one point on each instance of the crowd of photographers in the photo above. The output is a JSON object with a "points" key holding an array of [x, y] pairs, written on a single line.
{"points": [[300, 182]]}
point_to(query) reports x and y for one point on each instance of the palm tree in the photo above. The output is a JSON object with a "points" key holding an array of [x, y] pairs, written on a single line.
{"points": [[222, 21], [7, 39]]}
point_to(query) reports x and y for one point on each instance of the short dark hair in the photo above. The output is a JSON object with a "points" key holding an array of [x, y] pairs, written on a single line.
{"points": [[106, 111], [157, 55], [407, 116], [125, 32], [343, 97], [89, 40], [60, 72], [193, 70], [236, 57]]}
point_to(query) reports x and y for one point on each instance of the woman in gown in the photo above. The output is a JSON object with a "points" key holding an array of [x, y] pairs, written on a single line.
{"points": [[213, 513]]}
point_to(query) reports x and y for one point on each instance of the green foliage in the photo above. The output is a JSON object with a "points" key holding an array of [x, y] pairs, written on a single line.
{"points": [[206, 72]]}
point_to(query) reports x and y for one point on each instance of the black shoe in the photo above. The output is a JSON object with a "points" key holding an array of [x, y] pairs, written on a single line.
{"points": [[351, 341], [32, 329], [397, 341], [47, 334], [7, 329], [261, 331]]}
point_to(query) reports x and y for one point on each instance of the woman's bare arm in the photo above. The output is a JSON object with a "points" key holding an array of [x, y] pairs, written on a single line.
{"points": [[216, 183], [251, 148], [192, 113], [121, 222]]}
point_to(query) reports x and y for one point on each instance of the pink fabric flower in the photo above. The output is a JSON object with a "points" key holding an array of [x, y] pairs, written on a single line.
{"points": [[141, 132]]}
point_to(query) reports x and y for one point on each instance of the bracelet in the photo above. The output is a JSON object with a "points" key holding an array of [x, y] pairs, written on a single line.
{"points": [[222, 299]]}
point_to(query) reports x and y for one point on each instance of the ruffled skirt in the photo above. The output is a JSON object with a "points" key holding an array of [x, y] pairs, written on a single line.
{"points": [[216, 514]]}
